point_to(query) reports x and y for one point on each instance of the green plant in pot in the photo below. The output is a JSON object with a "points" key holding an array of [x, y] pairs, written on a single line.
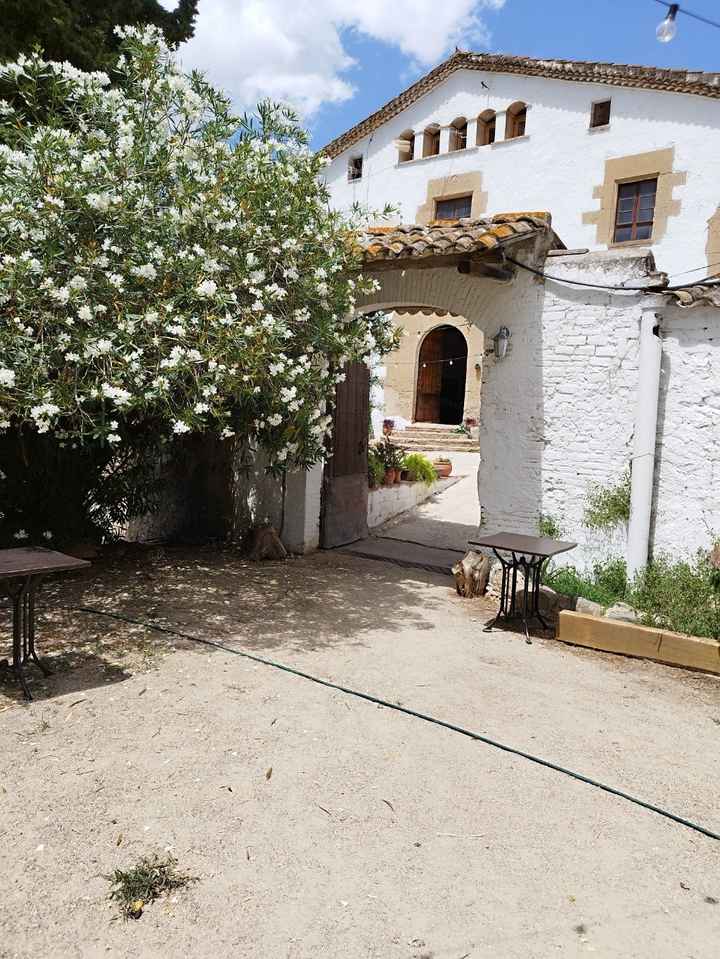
{"points": [[392, 459], [419, 468], [376, 469]]}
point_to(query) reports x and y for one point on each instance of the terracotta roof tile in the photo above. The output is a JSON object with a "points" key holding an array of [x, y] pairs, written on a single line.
{"points": [[704, 294], [578, 71], [451, 238]]}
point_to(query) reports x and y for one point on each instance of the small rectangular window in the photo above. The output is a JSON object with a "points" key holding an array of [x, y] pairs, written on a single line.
{"points": [[355, 168], [600, 114], [455, 209], [635, 211]]}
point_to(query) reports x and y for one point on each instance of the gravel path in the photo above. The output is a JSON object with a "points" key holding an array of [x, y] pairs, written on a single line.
{"points": [[375, 835]]}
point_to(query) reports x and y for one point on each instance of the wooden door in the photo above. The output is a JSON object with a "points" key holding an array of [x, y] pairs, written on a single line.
{"points": [[345, 481], [429, 381]]}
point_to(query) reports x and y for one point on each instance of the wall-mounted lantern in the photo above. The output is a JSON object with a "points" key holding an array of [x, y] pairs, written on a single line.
{"points": [[500, 342]]}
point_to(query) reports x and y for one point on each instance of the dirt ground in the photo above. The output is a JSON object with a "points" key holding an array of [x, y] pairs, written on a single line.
{"points": [[375, 834]]}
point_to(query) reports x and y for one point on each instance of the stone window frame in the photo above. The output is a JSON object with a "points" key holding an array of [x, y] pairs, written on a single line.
{"points": [[627, 169], [450, 188]]}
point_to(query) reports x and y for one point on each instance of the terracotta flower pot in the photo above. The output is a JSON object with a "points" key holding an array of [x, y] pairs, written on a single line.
{"points": [[443, 469], [396, 480], [389, 477]]}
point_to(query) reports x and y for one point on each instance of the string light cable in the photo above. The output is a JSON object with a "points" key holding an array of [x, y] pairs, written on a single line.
{"points": [[652, 289]]}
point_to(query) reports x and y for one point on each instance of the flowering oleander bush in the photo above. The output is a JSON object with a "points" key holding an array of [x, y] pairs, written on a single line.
{"points": [[166, 267]]}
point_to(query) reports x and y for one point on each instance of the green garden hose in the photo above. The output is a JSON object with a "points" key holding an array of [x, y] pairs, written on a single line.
{"points": [[408, 712]]}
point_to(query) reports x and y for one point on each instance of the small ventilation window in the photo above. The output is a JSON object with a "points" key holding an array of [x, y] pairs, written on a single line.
{"points": [[516, 120], [635, 211], [431, 141], [600, 114], [456, 208], [486, 128], [405, 146], [458, 134], [355, 165]]}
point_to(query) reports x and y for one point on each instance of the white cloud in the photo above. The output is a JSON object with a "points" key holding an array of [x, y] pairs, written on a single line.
{"points": [[293, 49]]}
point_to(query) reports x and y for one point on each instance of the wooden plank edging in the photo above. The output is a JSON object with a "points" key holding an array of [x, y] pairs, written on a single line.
{"points": [[645, 642]]}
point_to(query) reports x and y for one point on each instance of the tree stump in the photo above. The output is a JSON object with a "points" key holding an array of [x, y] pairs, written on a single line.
{"points": [[471, 574], [266, 544]]}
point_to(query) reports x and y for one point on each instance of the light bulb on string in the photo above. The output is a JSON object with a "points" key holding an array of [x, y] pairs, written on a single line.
{"points": [[667, 30]]}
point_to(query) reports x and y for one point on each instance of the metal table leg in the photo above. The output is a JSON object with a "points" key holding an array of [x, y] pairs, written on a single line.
{"points": [[531, 567], [23, 597]]}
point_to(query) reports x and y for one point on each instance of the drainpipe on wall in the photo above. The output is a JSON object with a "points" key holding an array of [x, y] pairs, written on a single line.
{"points": [[643, 458]]}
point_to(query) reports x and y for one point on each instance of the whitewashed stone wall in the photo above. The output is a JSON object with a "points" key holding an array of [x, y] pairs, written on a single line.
{"points": [[589, 365], [687, 469], [558, 413]]}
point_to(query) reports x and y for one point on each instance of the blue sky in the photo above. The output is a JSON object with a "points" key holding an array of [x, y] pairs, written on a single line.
{"points": [[622, 31]]}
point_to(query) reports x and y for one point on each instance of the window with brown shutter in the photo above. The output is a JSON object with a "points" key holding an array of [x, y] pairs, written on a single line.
{"points": [[635, 210], [600, 114]]}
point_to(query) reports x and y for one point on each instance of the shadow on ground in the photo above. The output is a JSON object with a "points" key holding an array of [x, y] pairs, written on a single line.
{"points": [[305, 604]]}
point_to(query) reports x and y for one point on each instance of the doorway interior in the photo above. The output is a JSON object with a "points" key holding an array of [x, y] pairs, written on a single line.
{"points": [[442, 370]]}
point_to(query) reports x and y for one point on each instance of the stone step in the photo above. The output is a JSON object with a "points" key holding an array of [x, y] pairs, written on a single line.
{"points": [[437, 445], [455, 437]]}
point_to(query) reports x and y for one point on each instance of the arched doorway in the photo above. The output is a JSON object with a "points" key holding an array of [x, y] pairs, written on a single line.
{"points": [[442, 367]]}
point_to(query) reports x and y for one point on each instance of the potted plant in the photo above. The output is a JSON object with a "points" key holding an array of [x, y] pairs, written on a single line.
{"points": [[376, 469], [391, 457], [443, 466], [419, 467]]}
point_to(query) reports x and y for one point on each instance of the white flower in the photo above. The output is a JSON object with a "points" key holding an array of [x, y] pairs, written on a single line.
{"points": [[21, 534], [180, 427], [99, 201], [201, 407], [113, 438], [119, 396], [147, 271], [227, 433], [206, 288], [78, 283], [60, 294], [47, 534], [85, 313], [275, 419], [7, 377]]}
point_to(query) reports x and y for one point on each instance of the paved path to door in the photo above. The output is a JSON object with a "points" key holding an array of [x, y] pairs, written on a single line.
{"points": [[448, 519]]}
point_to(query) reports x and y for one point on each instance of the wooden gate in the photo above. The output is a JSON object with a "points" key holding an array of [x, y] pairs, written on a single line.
{"points": [[345, 481]]}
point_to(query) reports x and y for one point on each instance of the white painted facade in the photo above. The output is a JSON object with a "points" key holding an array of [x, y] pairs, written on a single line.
{"points": [[559, 413], [557, 165]]}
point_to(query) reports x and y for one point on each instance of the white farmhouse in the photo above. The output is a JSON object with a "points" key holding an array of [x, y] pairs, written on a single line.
{"points": [[573, 382]]}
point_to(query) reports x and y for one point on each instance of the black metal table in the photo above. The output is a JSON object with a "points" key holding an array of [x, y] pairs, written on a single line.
{"points": [[527, 554], [24, 569]]}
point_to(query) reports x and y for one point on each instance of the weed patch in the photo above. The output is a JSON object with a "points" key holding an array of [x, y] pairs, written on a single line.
{"points": [[133, 889]]}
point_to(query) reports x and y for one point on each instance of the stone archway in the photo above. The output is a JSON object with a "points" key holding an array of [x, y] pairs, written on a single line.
{"points": [[441, 375], [461, 271]]}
